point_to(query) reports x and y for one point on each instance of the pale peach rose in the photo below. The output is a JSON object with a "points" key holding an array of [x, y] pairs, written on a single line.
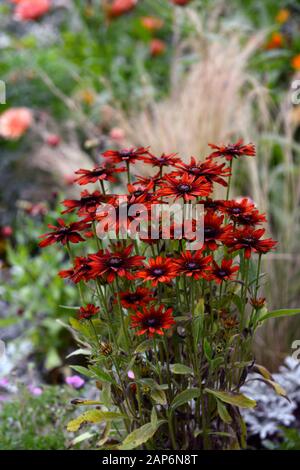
{"points": [[14, 122], [31, 9]]}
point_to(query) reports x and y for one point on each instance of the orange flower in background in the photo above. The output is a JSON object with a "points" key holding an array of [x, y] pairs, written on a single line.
{"points": [[276, 41], [14, 122], [295, 62], [152, 23], [31, 9], [157, 47], [120, 7], [282, 16]]}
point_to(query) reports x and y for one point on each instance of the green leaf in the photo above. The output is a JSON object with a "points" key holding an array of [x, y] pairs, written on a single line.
{"points": [[236, 399], [81, 438], [83, 401], [159, 396], [180, 369], [144, 346], [184, 397], [154, 419], [52, 359], [262, 371], [207, 349], [92, 416], [140, 436], [288, 312], [5, 322], [223, 412], [101, 374]]}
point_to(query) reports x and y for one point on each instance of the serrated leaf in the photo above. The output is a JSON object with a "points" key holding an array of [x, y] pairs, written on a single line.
{"points": [[223, 412], [236, 399], [140, 436], [185, 397], [93, 417], [180, 369]]}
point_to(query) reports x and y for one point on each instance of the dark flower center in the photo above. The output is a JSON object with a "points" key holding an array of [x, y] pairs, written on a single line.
{"points": [[194, 169], [192, 265], [151, 322], [125, 154], [184, 188], [133, 297], [248, 240], [115, 262], [158, 271], [138, 192]]}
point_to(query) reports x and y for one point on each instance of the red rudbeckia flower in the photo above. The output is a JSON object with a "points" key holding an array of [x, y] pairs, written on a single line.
{"points": [[64, 233], [158, 270], [99, 173], [214, 230], [193, 264], [187, 187], [224, 272], [126, 155], [249, 239], [243, 212], [232, 150], [163, 160], [120, 7], [152, 321], [141, 297], [80, 272], [211, 171], [114, 263], [87, 204], [88, 312]]}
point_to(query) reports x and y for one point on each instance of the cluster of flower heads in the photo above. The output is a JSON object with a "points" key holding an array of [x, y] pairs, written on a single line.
{"points": [[231, 224]]}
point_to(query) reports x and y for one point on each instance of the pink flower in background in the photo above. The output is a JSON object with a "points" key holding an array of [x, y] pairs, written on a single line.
{"points": [[31, 9], [14, 122], [130, 374], [36, 391], [6, 231], [75, 381]]}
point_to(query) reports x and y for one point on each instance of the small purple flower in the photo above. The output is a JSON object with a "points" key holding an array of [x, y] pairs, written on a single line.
{"points": [[36, 391], [75, 381]]}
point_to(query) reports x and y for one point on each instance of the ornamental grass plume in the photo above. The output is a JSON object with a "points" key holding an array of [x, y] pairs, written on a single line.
{"points": [[168, 328]]}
